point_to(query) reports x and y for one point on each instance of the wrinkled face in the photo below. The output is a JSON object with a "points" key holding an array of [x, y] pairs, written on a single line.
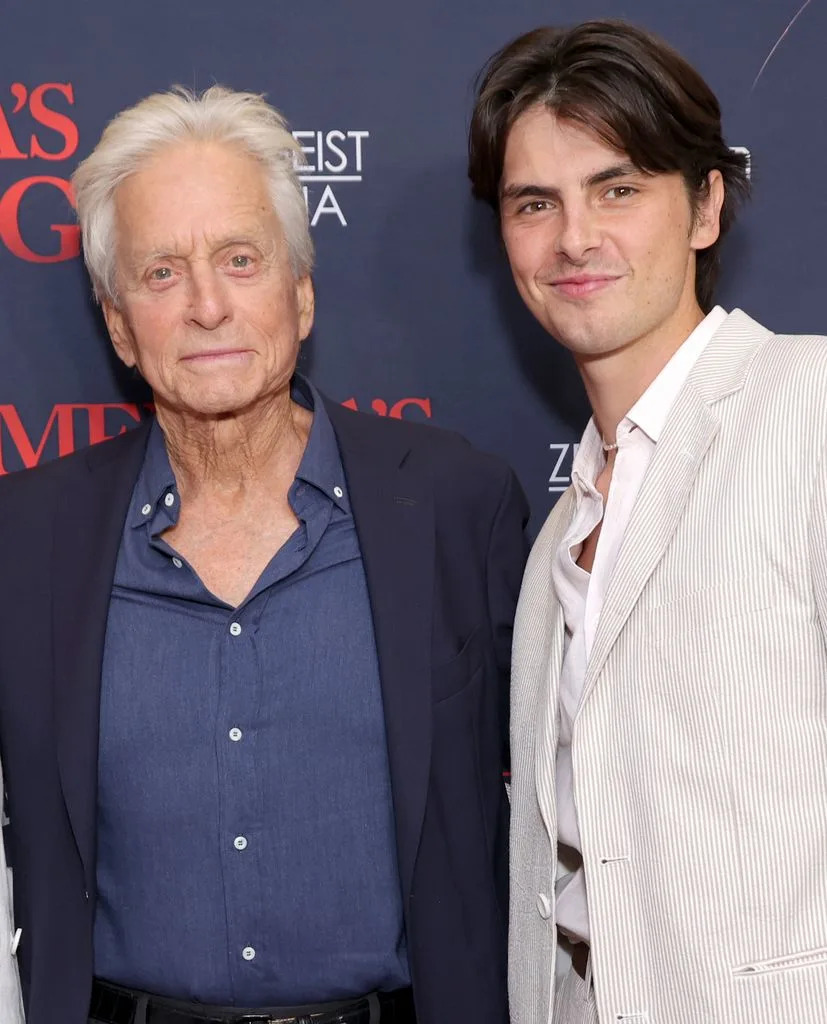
{"points": [[603, 254], [208, 308]]}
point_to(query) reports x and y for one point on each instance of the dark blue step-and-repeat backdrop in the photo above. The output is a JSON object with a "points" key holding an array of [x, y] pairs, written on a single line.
{"points": [[417, 315]]}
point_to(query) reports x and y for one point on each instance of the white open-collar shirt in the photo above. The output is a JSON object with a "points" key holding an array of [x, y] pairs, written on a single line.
{"points": [[581, 594]]}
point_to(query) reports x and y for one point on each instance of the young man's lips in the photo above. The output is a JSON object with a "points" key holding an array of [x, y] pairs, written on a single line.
{"points": [[578, 285]]}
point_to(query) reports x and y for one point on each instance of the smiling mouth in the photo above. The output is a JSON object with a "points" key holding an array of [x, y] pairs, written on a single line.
{"points": [[582, 285]]}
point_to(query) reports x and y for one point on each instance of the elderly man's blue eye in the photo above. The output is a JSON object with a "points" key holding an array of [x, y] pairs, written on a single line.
{"points": [[162, 273], [241, 261]]}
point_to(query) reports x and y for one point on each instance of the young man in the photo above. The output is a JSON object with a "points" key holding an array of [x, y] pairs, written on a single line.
{"points": [[669, 716]]}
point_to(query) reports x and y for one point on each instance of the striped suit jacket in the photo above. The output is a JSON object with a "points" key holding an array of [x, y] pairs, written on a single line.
{"points": [[700, 747], [11, 1000]]}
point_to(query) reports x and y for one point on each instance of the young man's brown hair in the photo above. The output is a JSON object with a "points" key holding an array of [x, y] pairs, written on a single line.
{"points": [[628, 86]]}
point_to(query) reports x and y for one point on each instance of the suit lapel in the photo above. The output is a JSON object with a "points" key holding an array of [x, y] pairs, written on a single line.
{"points": [[89, 516], [394, 513], [686, 439], [656, 514], [541, 603]]}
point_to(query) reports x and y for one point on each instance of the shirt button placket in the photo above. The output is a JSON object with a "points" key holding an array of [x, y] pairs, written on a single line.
{"points": [[239, 842]]}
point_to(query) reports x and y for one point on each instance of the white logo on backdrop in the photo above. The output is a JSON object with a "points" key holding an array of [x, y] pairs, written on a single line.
{"points": [[562, 455], [333, 162], [747, 154]]}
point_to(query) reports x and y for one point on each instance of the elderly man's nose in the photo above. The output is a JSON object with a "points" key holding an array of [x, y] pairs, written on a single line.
{"points": [[209, 304]]}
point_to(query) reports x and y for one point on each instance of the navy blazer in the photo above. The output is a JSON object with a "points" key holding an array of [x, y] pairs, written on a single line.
{"points": [[441, 531]]}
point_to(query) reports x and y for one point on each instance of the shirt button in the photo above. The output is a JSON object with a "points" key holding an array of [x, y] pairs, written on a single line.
{"points": [[146, 509], [248, 953], [235, 734], [543, 906], [240, 843], [235, 628], [169, 500], [177, 562], [338, 492]]}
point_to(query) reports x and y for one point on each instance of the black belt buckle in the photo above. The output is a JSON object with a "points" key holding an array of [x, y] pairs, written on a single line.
{"points": [[266, 1018]]}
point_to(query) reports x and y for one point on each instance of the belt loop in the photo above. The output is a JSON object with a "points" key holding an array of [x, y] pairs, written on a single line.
{"points": [[141, 1009], [374, 1011]]}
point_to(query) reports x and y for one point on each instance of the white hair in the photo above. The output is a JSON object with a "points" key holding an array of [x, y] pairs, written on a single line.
{"points": [[216, 115]]}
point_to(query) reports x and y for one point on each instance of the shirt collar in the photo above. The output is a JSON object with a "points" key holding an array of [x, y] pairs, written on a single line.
{"points": [[651, 410], [155, 480], [320, 466], [588, 461]]}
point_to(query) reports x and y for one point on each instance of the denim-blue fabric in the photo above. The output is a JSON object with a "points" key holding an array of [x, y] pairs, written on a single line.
{"points": [[246, 851]]}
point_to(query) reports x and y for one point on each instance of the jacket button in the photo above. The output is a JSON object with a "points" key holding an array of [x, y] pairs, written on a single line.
{"points": [[544, 907]]}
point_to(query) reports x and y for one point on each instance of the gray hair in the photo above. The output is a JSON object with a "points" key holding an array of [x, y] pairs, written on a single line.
{"points": [[216, 115]]}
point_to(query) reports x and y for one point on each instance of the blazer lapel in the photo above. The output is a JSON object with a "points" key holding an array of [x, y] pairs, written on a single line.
{"points": [[689, 432], [657, 512], [394, 513], [551, 626], [89, 516]]}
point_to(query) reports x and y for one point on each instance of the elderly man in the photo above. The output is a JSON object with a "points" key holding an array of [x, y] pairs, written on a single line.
{"points": [[252, 654]]}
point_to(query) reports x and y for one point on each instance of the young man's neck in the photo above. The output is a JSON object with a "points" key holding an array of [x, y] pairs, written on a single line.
{"points": [[616, 381]]}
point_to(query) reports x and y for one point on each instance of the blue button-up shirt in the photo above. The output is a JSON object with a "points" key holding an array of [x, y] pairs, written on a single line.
{"points": [[246, 851]]}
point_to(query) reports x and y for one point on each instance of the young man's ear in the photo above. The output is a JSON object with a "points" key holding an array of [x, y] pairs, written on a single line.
{"points": [[707, 227]]}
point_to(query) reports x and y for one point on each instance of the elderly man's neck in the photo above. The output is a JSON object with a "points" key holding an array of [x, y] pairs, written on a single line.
{"points": [[259, 447]]}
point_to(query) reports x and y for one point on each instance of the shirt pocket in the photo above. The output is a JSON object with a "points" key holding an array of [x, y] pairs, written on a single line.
{"points": [[714, 609]]}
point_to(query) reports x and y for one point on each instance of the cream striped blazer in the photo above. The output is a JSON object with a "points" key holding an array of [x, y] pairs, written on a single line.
{"points": [[11, 1002], [700, 748]]}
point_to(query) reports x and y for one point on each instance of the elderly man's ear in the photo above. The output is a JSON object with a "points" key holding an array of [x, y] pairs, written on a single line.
{"points": [[306, 303], [119, 332]]}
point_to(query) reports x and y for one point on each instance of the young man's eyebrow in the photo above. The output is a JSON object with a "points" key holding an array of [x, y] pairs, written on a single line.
{"points": [[518, 190], [617, 171]]}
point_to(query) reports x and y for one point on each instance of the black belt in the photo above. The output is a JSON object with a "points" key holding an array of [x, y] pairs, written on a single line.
{"points": [[112, 1004]]}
